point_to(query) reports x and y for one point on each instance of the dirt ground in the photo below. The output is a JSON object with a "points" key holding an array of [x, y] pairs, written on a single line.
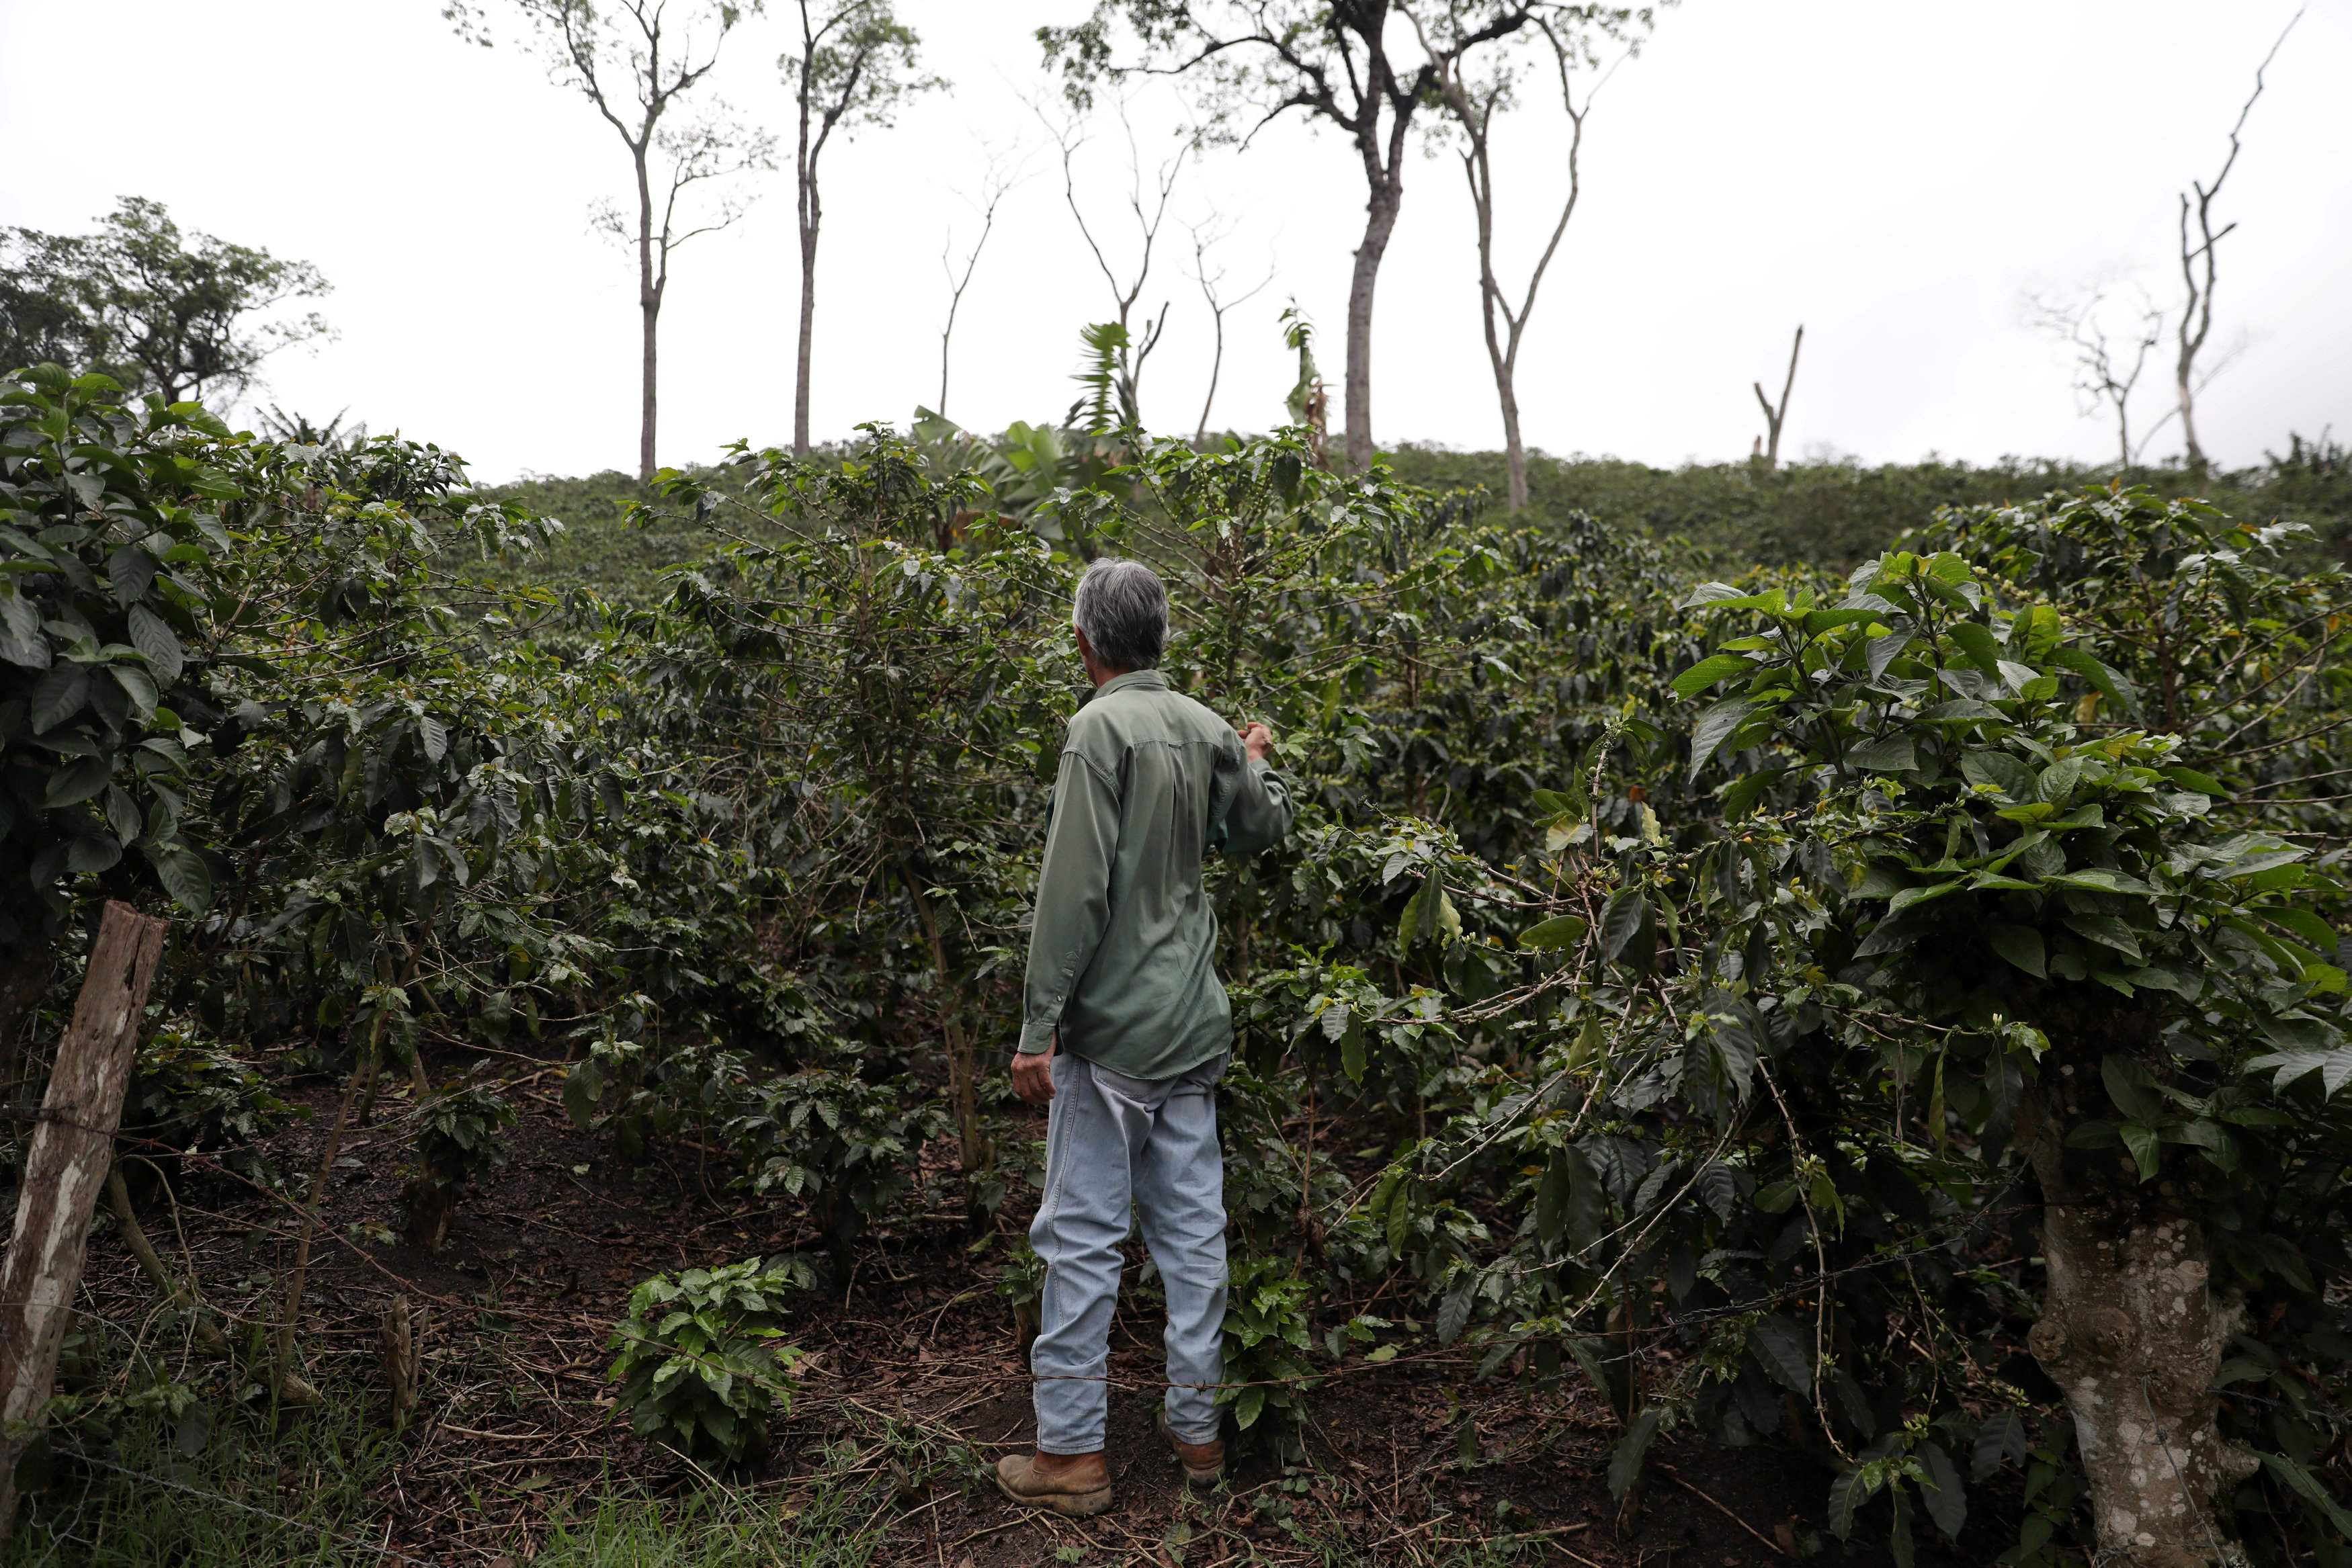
{"points": [[916, 1374]]}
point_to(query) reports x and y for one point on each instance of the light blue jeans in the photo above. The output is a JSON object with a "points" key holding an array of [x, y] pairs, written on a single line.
{"points": [[1117, 1146]]}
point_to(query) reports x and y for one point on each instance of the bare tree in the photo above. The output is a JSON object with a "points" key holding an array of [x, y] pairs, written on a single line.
{"points": [[855, 69], [2197, 267], [1206, 237], [1146, 205], [997, 183], [634, 67], [2108, 355], [1252, 61], [1473, 104], [1775, 415]]}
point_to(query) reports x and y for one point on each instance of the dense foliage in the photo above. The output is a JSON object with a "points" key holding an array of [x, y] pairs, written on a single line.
{"points": [[701, 1363], [1723, 992]]}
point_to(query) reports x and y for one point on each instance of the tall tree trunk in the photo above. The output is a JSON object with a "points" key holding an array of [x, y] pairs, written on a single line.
{"points": [[809, 225], [1379, 222], [2130, 1326], [649, 312], [2195, 451], [651, 308], [1515, 453]]}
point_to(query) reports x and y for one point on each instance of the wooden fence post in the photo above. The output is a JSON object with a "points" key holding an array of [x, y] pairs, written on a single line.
{"points": [[66, 1162]]}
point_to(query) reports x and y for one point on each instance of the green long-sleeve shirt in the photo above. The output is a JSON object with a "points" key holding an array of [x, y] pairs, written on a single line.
{"points": [[1122, 955]]}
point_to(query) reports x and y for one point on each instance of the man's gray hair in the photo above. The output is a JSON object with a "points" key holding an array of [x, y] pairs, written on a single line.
{"points": [[1122, 608]]}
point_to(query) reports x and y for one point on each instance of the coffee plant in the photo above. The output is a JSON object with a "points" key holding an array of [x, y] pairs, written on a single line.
{"points": [[701, 1365], [457, 1143], [1898, 1014]]}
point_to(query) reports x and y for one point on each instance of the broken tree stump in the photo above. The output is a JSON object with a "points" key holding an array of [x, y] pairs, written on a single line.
{"points": [[403, 1359], [66, 1162]]}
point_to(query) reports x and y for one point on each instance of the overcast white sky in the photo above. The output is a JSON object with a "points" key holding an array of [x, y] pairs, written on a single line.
{"points": [[1892, 176]]}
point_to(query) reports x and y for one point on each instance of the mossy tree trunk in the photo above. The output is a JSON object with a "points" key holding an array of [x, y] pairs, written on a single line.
{"points": [[2131, 1328]]}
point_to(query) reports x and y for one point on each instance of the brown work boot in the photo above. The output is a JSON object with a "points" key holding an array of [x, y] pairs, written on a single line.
{"points": [[1076, 1485], [1204, 1463]]}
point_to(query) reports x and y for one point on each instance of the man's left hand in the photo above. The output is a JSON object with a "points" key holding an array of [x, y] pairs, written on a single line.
{"points": [[1032, 1073]]}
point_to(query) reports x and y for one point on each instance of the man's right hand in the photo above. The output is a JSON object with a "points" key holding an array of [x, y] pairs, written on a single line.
{"points": [[1032, 1073], [1259, 741]]}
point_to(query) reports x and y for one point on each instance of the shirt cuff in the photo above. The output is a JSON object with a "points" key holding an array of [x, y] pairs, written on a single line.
{"points": [[1036, 1035]]}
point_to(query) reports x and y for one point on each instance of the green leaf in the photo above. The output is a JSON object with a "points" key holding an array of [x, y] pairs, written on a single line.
{"points": [[1420, 917], [1586, 1353], [153, 637], [2143, 1144], [1710, 672], [58, 695], [1925, 894], [2098, 881], [77, 780], [2306, 1486], [582, 1088], [1999, 773], [185, 877], [1626, 1463], [21, 642], [2059, 779], [2303, 923], [2333, 1066], [1882, 650], [2131, 1087], [1942, 1490], [1620, 919], [1551, 805], [1453, 1312], [122, 814], [139, 686], [2189, 778], [2003, 1432], [1785, 1351], [2107, 932], [93, 853], [1715, 727], [1740, 797], [2187, 987], [1975, 639], [2021, 946], [1895, 754], [1559, 932], [2105, 681], [1847, 1494]]}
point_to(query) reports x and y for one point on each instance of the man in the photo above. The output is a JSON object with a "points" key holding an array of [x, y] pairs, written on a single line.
{"points": [[1126, 1032]]}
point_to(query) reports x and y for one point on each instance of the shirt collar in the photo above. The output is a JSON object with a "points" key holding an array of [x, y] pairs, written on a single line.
{"points": [[1151, 680]]}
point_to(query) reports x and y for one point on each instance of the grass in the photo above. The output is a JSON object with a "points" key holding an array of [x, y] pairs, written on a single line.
{"points": [[713, 1529], [147, 1490]]}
